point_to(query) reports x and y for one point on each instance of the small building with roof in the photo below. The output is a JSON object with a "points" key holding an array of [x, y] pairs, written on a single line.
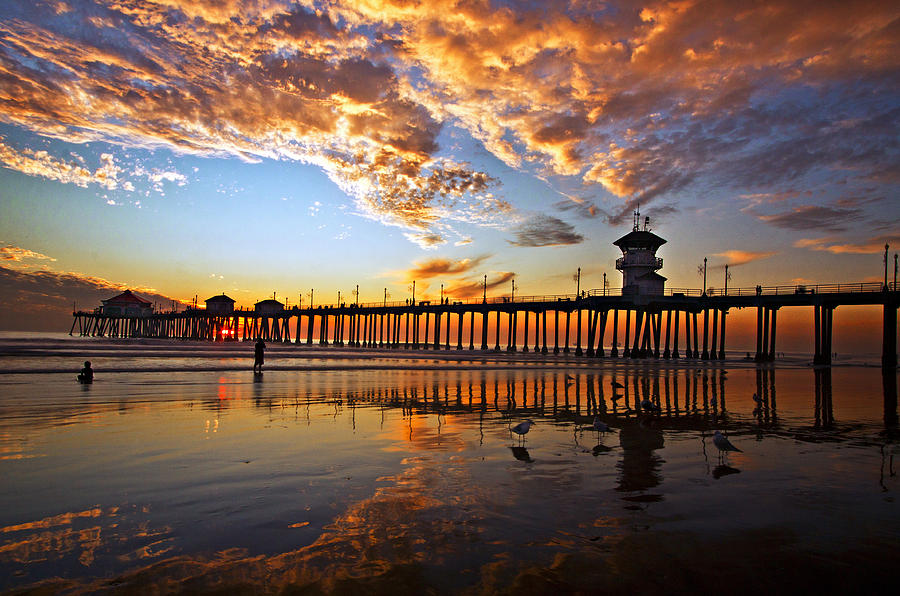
{"points": [[268, 307], [220, 305], [639, 263], [126, 304]]}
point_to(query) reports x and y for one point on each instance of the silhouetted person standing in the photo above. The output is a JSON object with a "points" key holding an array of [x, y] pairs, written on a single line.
{"points": [[87, 373], [258, 359]]}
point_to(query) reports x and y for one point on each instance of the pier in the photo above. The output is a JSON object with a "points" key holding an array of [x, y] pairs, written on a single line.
{"points": [[678, 323]]}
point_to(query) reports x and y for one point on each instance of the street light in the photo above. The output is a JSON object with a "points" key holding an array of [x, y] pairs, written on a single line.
{"points": [[311, 293], [727, 277], [512, 297], [577, 278], [385, 297], [413, 288], [886, 247], [701, 270], [484, 293]]}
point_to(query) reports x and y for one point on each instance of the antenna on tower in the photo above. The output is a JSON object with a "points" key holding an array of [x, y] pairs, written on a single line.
{"points": [[637, 219]]}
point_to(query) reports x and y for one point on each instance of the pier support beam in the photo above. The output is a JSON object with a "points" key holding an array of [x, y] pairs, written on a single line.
{"points": [[614, 352], [889, 335]]}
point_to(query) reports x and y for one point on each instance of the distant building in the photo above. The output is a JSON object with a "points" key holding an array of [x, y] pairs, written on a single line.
{"points": [[639, 263], [126, 304], [220, 305], [269, 307]]}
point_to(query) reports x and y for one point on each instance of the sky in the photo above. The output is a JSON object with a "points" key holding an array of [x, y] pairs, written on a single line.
{"points": [[190, 148]]}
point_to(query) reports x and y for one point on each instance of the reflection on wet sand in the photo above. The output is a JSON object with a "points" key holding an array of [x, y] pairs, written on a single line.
{"points": [[466, 510]]}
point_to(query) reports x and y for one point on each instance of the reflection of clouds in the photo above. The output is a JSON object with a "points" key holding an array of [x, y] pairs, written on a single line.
{"points": [[84, 536]]}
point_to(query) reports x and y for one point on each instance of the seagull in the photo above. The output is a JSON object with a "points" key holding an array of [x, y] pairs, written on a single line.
{"points": [[723, 444], [600, 426], [569, 380], [618, 385], [522, 428]]}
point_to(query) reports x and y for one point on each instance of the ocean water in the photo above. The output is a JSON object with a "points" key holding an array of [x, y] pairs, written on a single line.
{"points": [[384, 472]]}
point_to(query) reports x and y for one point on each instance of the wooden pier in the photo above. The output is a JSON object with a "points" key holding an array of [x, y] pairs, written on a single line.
{"points": [[676, 324]]}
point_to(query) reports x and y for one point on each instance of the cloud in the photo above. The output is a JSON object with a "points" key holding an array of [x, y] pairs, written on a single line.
{"points": [[42, 300], [868, 247], [18, 255], [736, 257], [475, 288], [813, 217], [41, 163], [439, 267], [635, 105], [545, 230]]}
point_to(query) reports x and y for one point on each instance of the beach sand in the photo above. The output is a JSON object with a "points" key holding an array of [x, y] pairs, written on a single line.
{"points": [[180, 470]]}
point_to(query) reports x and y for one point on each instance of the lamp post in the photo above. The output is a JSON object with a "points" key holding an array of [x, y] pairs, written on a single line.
{"points": [[577, 278], [385, 297], [886, 247], [442, 293], [413, 300], [605, 283], [512, 295], [484, 292], [356, 294], [701, 270], [311, 293], [727, 277], [339, 299]]}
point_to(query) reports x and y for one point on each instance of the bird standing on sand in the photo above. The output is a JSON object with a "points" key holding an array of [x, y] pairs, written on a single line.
{"points": [[600, 426], [522, 428], [723, 444]]}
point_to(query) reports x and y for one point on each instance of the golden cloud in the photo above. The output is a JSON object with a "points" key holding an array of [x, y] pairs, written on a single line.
{"points": [[442, 267], [872, 246], [742, 257], [475, 288], [16, 254], [638, 101]]}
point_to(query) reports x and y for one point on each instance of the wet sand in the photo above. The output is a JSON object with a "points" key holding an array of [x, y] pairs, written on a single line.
{"points": [[406, 479]]}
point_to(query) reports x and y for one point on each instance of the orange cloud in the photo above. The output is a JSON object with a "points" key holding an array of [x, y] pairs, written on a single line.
{"points": [[637, 104], [872, 246], [443, 267], [473, 289], [742, 257], [16, 254]]}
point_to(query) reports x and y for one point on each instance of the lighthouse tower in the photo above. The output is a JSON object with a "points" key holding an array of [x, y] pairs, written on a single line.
{"points": [[639, 263]]}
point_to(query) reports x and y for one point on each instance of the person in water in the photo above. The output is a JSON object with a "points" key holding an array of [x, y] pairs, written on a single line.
{"points": [[87, 373], [258, 359]]}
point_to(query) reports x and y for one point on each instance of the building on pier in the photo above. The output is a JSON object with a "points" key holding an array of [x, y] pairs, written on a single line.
{"points": [[268, 307], [639, 263], [220, 305], [126, 304]]}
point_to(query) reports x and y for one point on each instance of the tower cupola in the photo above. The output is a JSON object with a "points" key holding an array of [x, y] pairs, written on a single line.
{"points": [[639, 263]]}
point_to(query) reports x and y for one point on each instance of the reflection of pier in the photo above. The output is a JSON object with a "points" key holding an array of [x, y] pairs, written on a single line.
{"points": [[672, 325]]}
